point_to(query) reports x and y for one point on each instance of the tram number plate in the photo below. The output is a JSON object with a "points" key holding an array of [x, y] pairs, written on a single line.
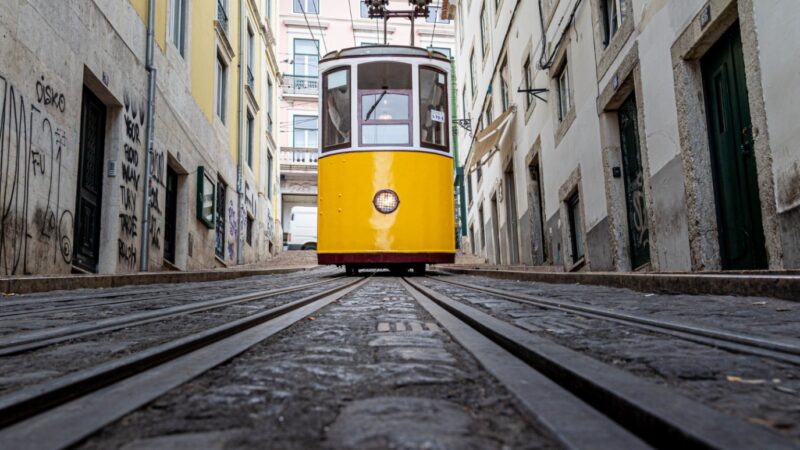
{"points": [[437, 116]]}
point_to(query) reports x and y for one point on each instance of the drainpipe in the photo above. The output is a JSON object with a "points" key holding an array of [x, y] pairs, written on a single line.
{"points": [[240, 153], [151, 97]]}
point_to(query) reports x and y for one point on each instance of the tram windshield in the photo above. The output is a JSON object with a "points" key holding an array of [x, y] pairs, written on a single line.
{"points": [[384, 96], [336, 109]]}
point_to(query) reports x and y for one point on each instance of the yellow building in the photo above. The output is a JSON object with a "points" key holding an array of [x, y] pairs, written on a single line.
{"points": [[180, 173]]}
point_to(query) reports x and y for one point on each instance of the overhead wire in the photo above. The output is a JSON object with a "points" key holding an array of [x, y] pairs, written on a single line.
{"points": [[308, 25], [435, 21], [322, 33]]}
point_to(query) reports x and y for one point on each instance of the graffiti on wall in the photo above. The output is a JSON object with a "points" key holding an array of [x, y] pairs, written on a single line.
{"points": [[129, 188], [157, 184], [34, 225]]}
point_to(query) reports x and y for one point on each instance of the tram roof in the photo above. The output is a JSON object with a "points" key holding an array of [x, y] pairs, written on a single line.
{"points": [[385, 50]]}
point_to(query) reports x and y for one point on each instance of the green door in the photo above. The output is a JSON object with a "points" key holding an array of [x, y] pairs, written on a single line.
{"points": [[638, 228], [741, 235]]}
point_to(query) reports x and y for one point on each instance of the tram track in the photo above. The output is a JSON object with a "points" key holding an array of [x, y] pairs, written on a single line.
{"points": [[61, 412], [786, 349], [33, 340], [648, 411]]}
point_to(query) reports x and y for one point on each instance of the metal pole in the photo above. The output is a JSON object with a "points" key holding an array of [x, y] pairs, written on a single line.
{"points": [[240, 158], [385, 22], [411, 17], [149, 138]]}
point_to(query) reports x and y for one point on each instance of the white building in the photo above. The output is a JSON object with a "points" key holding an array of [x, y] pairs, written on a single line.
{"points": [[308, 29], [662, 136]]}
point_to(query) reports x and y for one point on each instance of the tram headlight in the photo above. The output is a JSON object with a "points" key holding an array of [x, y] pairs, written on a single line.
{"points": [[386, 201]]}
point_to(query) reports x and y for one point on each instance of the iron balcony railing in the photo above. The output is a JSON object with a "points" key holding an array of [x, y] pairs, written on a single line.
{"points": [[300, 85], [251, 80], [222, 16]]}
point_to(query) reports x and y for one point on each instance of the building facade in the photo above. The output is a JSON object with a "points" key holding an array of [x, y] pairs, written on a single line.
{"points": [[618, 135], [309, 29], [81, 192]]}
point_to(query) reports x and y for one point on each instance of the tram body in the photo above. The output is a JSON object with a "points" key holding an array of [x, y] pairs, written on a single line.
{"points": [[385, 167]]}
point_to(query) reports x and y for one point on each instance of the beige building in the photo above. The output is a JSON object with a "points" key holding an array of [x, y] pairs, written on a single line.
{"points": [[630, 134], [309, 29], [103, 171]]}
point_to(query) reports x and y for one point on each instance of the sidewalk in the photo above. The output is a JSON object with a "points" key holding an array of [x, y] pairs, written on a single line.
{"points": [[784, 285], [286, 262]]}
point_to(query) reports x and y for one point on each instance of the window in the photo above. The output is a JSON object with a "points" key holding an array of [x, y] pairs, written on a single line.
{"points": [[204, 204], [460, 22], [336, 109], [222, 87], [269, 174], [488, 113], [435, 15], [305, 131], [469, 187], [433, 108], [268, 8], [364, 10], [384, 94], [611, 15], [527, 82], [269, 104], [574, 213], [464, 102], [306, 58], [249, 231], [443, 50], [562, 83], [484, 32], [251, 42], [249, 140], [179, 25], [504, 84], [472, 72], [307, 6]]}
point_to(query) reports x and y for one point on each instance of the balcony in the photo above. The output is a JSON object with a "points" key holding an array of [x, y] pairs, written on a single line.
{"points": [[251, 80], [222, 16], [300, 85], [299, 160]]}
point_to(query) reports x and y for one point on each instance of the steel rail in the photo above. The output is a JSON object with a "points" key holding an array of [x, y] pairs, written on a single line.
{"points": [[787, 350], [655, 413], [571, 421], [97, 301], [32, 340], [61, 412]]}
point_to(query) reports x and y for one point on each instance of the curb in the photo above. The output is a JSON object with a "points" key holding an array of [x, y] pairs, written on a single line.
{"points": [[786, 287], [37, 284]]}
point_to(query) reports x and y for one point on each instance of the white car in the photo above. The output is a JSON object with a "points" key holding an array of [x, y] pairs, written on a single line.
{"points": [[303, 228]]}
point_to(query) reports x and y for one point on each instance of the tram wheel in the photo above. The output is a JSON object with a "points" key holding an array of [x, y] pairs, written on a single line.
{"points": [[350, 270], [419, 269]]}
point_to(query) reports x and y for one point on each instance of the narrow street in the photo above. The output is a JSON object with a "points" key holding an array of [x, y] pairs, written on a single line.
{"points": [[313, 359]]}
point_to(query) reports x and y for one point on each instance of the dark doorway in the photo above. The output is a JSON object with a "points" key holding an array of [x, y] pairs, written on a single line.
{"points": [[219, 248], [638, 227], [537, 214], [511, 216], [495, 233], [171, 216], [90, 182], [741, 234]]}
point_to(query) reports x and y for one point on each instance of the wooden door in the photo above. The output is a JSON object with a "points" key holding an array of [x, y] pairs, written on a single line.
{"points": [[171, 216], [741, 234], [633, 175], [90, 183]]}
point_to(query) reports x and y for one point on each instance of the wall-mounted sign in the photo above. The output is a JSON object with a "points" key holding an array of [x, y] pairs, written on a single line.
{"points": [[205, 197]]}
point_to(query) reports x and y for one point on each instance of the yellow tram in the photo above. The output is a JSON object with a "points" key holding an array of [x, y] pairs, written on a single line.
{"points": [[385, 166]]}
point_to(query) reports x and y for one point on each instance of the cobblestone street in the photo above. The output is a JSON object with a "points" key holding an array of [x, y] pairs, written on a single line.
{"points": [[372, 368]]}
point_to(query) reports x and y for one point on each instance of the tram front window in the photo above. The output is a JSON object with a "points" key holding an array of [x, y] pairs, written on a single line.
{"points": [[433, 108], [384, 94], [336, 109]]}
